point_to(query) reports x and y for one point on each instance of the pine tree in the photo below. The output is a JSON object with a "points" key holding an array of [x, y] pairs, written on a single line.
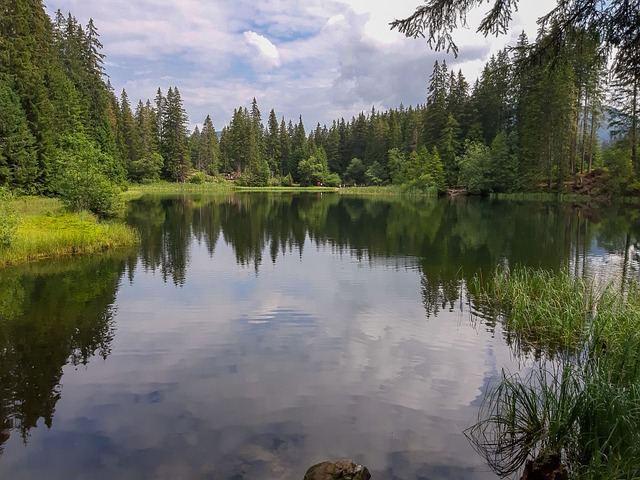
{"points": [[18, 161], [492, 96], [148, 162], [273, 146], [285, 149], [449, 146], [332, 148], [235, 141], [174, 146], [28, 59], [127, 135], [209, 148], [196, 152], [435, 114], [299, 149]]}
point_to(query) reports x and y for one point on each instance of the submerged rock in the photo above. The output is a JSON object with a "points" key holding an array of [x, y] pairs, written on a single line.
{"points": [[341, 470], [545, 467]]}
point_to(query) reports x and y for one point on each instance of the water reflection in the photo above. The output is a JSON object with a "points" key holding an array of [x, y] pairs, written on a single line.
{"points": [[451, 239], [51, 314], [259, 334]]}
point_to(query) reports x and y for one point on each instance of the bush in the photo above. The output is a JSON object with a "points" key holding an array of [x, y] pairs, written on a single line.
{"points": [[8, 219], [83, 181], [274, 182], [332, 180], [197, 178], [287, 181], [146, 168]]}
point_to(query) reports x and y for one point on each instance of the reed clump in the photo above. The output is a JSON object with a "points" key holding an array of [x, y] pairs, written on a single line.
{"points": [[580, 401], [539, 309]]}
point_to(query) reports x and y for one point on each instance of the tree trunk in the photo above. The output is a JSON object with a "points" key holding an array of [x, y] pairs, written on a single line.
{"points": [[585, 118], [591, 138], [634, 126]]}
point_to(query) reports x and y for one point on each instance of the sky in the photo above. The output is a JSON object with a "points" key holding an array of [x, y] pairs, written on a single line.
{"points": [[322, 59]]}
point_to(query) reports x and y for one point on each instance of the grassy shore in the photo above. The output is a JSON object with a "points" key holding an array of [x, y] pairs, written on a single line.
{"points": [[577, 409], [45, 229], [136, 191]]}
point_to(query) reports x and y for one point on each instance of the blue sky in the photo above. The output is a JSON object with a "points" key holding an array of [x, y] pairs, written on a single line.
{"points": [[322, 59]]}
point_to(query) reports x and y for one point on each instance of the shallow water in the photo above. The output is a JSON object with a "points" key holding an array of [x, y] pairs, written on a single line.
{"points": [[252, 336]]}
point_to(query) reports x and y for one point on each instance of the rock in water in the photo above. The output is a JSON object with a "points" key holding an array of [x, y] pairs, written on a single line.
{"points": [[341, 470]]}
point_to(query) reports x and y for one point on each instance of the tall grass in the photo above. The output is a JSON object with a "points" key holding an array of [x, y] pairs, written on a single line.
{"points": [[45, 230], [539, 309], [539, 196], [380, 190], [580, 403], [136, 191]]}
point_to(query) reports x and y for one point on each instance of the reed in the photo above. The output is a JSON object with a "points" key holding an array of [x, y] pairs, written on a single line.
{"points": [[539, 309], [580, 402]]}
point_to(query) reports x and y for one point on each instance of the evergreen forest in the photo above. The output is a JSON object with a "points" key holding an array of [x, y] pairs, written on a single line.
{"points": [[529, 123]]}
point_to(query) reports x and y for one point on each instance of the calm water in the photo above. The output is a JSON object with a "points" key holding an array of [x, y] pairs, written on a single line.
{"points": [[252, 336]]}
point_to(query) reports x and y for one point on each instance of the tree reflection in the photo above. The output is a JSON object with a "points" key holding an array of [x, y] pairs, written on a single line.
{"points": [[51, 314], [448, 239]]}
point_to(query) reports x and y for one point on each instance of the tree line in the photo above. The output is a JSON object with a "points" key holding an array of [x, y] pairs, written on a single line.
{"points": [[529, 122]]}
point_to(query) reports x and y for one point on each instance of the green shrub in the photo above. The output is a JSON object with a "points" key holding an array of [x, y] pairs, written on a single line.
{"points": [[197, 178], [84, 178], [332, 180], [274, 182], [287, 181]]}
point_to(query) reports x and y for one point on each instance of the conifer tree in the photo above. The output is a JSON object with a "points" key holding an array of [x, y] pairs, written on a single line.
{"points": [[285, 149], [209, 148], [299, 149], [273, 148], [435, 114], [174, 145], [449, 146], [127, 135], [18, 161]]}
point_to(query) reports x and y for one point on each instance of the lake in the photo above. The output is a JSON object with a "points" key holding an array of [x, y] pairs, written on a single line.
{"points": [[253, 335]]}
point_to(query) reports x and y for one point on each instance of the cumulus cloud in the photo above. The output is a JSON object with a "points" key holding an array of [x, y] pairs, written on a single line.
{"points": [[267, 51]]}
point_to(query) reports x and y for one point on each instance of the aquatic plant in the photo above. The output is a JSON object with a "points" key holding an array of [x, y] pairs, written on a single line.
{"points": [[539, 309], [580, 401]]}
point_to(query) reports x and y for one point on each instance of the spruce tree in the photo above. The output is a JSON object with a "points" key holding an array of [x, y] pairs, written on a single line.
{"points": [[273, 144], [209, 148], [18, 160], [174, 146]]}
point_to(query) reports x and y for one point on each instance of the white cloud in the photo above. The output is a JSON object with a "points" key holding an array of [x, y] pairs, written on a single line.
{"points": [[267, 51]]}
